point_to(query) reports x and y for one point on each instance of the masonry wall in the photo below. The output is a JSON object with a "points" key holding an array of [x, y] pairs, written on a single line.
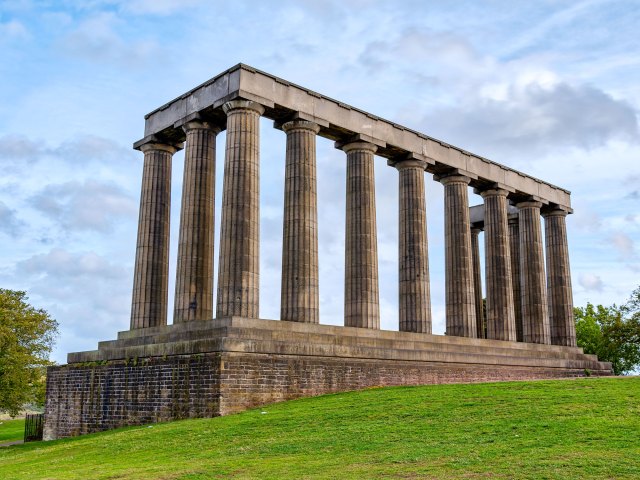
{"points": [[85, 398], [250, 380]]}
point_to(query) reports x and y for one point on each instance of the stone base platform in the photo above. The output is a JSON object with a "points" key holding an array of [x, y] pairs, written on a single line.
{"points": [[223, 366]]}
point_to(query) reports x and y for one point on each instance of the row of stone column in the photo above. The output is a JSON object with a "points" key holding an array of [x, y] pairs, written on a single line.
{"points": [[238, 278], [238, 275], [520, 305]]}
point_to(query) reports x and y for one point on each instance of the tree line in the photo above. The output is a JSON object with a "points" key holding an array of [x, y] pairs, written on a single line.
{"points": [[612, 333]]}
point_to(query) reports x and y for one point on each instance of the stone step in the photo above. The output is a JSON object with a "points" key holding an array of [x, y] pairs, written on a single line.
{"points": [[274, 347], [339, 331], [292, 338], [418, 342]]}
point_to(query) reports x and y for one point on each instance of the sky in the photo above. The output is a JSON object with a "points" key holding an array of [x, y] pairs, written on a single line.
{"points": [[550, 88]]}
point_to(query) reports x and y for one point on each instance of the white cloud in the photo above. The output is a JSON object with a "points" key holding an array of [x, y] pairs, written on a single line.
{"points": [[9, 222], [89, 294], [624, 244], [13, 30], [18, 148], [500, 107], [591, 282], [96, 39], [85, 206], [21, 152], [540, 32], [85, 148], [64, 265], [159, 7], [536, 119]]}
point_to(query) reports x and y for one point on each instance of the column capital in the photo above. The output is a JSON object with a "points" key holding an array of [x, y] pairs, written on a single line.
{"points": [[243, 105], [529, 204], [410, 160], [494, 188], [452, 178], [476, 230], [155, 142], [494, 192], [359, 138], [163, 147], [200, 125], [358, 145], [513, 219], [410, 163], [555, 212], [301, 125]]}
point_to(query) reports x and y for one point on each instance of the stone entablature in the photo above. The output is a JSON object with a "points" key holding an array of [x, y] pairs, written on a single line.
{"points": [[283, 100]]}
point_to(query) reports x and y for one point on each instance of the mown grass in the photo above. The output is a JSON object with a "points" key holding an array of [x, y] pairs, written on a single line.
{"points": [[577, 429], [11, 430]]}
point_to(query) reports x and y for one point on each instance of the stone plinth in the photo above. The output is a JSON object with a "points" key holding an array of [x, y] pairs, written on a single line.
{"points": [[222, 366]]}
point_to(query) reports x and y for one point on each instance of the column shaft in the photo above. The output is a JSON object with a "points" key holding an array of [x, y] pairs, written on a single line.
{"points": [[460, 297], [415, 299], [535, 315], [361, 250], [514, 250], [194, 274], [477, 284], [151, 276], [239, 265], [563, 330], [300, 297], [501, 323]]}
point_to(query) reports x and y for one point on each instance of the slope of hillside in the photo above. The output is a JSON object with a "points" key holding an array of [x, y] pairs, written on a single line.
{"points": [[580, 429]]}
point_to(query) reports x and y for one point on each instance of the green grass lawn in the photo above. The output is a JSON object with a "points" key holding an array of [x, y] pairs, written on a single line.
{"points": [[577, 429], [11, 430]]}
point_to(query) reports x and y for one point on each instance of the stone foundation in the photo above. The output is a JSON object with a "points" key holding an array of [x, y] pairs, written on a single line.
{"points": [[211, 368]]}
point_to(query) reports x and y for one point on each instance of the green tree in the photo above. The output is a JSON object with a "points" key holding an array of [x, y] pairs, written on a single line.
{"points": [[612, 333], [26, 337]]}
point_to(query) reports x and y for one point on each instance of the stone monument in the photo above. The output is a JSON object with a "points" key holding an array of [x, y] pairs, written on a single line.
{"points": [[210, 363]]}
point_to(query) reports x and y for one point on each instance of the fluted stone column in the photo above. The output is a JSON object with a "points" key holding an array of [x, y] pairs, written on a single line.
{"points": [[300, 301], [563, 330], [477, 283], [361, 295], [239, 266], [194, 274], [415, 298], [151, 275], [501, 322], [514, 250], [460, 297], [535, 315]]}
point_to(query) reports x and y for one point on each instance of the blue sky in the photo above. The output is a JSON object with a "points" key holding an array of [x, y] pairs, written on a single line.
{"points": [[551, 88]]}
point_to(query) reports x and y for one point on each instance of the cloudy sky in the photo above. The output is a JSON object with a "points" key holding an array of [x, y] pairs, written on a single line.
{"points": [[551, 88]]}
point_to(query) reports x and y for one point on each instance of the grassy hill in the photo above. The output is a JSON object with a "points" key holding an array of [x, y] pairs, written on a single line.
{"points": [[577, 429], [11, 430]]}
